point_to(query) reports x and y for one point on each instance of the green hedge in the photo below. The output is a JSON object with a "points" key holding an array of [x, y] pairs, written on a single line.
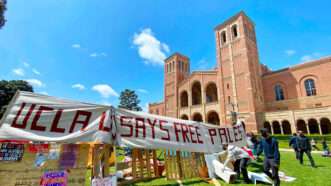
{"points": [[316, 137]]}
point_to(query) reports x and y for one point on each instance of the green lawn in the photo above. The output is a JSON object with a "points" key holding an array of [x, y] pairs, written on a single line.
{"points": [[306, 176]]}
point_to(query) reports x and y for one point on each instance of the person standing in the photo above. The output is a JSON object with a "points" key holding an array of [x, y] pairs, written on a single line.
{"points": [[269, 146], [293, 144], [325, 146], [304, 146]]}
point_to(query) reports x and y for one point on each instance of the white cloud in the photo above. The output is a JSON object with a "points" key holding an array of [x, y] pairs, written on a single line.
{"points": [[150, 48], [78, 86], [310, 57], [145, 107], [35, 82], [43, 92], [95, 54], [203, 64], [105, 90], [290, 52], [18, 71], [26, 64], [35, 71], [75, 46], [142, 91]]}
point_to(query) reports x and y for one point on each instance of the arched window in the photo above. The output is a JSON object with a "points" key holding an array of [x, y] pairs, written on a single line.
{"points": [[234, 31], [279, 93], [213, 118], [196, 93], [310, 87], [211, 93], [197, 117], [184, 99], [223, 37]]}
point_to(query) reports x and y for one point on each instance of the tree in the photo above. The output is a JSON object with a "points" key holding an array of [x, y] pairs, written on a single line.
{"points": [[8, 90], [129, 100], [3, 8]]}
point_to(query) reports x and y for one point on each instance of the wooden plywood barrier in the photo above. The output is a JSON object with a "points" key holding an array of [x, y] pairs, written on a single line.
{"points": [[144, 164], [183, 165]]}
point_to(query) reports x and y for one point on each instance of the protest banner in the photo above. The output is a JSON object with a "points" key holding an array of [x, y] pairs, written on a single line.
{"points": [[37, 117], [147, 131], [42, 118]]}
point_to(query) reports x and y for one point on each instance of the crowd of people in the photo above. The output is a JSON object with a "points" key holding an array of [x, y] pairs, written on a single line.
{"points": [[268, 145]]}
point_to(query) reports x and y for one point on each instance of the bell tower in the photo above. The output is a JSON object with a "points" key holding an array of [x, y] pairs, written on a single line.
{"points": [[239, 71], [176, 69]]}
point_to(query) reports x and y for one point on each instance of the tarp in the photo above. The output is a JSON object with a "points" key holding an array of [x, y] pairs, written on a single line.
{"points": [[36, 117]]}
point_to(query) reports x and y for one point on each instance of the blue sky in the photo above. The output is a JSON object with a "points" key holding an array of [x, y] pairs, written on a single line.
{"points": [[90, 50]]}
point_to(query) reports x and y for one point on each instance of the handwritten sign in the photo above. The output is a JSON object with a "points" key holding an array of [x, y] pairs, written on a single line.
{"points": [[11, 152], [56, 178]]}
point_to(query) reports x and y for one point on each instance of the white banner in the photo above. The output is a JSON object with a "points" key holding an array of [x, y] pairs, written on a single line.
{"points": [[142, 130], [35, 117]]}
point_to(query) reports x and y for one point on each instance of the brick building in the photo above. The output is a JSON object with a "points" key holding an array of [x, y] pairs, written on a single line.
{"points": [[286, 100]]}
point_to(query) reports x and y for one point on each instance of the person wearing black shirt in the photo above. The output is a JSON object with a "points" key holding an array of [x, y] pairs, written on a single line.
{"points": [[304, 146], [269, 146], [293, 144]]}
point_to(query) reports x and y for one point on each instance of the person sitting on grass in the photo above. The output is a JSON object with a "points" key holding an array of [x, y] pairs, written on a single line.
{"points": [[304, 146], [240, 158], [325, 146], [269, 147], [313, 144]]}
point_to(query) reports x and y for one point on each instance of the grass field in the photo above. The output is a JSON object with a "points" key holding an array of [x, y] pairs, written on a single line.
{"points": [[306, 175]]}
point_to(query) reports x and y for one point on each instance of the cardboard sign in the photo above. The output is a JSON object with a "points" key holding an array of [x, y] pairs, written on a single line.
{"points": [[58, 178], [108, 181], [11, 152], [40, 148], [68, 156]]}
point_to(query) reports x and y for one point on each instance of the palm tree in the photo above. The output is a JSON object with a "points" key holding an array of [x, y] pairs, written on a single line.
{"points": [[2, 11]]}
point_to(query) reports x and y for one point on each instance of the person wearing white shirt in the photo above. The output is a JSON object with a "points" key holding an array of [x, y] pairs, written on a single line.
{"points": [[240, 158]]}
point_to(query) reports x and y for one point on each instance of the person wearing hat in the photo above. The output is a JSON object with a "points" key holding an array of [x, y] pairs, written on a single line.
{"points": [[240, 158], [269, 146]]}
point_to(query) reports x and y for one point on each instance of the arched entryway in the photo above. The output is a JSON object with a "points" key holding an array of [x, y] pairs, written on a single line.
{"points": [[213, 118], [184, 117], [196, 93], [286, 127], [313, 126], [211, 93], [276, 127], [197, 117], [183, 99], [301, 125], [267, 126], [325, 125]]}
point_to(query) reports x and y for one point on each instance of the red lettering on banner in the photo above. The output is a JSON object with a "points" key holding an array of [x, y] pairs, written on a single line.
{"points": [[152, 124], [229, 136], [176, 130], [101, 123], [83, 122], [126, 125], [184, 132], [142, 126], [26, 118], [235, 133], [192, 133], [212, 133], [161, 122], [223, 136], [54, 127], [198, 135], [34, 125]]}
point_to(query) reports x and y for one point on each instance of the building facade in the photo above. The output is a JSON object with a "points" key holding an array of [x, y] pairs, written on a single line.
{"points": [[284, 101]]}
